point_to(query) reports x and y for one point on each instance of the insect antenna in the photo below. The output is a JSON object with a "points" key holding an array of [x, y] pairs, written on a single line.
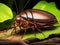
{"points": [[25, 5], [16, 6]]}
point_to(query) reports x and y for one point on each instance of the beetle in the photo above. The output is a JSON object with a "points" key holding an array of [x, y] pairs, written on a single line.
{"points": [[35, 19]]}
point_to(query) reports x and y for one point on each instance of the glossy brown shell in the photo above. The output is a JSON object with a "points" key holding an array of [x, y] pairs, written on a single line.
{"points": [[40, 17]]}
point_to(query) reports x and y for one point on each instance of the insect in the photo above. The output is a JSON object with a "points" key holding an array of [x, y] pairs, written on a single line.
{"points": [[35, 19]]}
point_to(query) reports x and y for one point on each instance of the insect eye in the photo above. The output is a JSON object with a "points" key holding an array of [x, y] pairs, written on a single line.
{"points": [[18, 18]]}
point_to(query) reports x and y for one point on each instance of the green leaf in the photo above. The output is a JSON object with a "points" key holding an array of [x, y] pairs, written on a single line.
{"points": [[6, 16], [6, 24], [5, 13], [40, 5]]}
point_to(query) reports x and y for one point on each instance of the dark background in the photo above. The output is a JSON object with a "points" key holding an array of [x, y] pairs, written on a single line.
{"points": [[33, 2], [20, 4]]}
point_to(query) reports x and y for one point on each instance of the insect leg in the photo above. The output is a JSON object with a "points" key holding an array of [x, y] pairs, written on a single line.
{"points": [[23, 33], [25, 4], [14, 29], [33, 28], [38, 29], [24, 28]]}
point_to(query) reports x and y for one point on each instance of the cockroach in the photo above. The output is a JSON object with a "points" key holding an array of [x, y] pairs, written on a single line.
{"points": [[35, 19]]}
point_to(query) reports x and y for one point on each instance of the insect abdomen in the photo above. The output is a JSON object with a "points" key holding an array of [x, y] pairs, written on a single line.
{"points": [[39, 16]]}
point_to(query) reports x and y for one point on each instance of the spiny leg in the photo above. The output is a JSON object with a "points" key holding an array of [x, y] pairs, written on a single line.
{"points": [[24, 28], [33, 28], [38, 29], [21, 29], [14, 29], [23, 33]]}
